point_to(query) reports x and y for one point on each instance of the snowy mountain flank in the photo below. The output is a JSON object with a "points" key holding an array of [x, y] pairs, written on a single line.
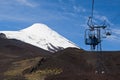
{"points": [[42, 36]]}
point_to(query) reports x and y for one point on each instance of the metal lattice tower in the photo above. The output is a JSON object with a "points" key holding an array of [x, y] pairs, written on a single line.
{"points": [[93, 37]]}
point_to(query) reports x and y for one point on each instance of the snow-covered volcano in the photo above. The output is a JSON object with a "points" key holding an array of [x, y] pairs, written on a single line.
{"points": [[41, 36]]}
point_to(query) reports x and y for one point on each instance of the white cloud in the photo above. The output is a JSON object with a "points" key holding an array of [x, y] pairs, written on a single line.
{"points": [[116, 31], [115, 37], [27, 3], [103, 18], [60, 1], [79, 9], [16, 18]]}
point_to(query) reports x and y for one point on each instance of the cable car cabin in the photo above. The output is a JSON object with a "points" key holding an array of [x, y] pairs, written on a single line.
{"points": [[108, 32], [92, 40]]}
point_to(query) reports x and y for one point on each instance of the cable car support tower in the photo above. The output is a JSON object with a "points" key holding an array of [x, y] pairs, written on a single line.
{"points": [[93, 37]]}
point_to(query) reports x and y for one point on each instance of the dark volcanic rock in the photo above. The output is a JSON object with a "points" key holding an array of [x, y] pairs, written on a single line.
{"points": [[81, 65], [12, 50], [74, 64], [2, 35]]}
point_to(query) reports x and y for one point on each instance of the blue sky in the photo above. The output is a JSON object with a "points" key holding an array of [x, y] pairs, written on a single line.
{"points": [[67, 17]]}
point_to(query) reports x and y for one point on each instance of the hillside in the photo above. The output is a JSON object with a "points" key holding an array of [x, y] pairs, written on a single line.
{"points": [[20, 63], [12, 50], [81, 65]]}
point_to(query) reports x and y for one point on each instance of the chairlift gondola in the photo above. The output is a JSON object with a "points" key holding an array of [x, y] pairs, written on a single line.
{"points": [[108, 32], [91, 37]]}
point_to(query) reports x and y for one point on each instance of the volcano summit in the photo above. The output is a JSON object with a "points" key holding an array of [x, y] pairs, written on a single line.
{"points": [[42, 36]]}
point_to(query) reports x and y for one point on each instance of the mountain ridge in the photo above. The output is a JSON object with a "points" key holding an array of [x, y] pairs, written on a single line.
{"points": [[42, 36]]}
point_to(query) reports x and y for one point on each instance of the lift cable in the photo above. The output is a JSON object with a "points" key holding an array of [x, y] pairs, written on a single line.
{"points": [[90, 20], [92, 8]]}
